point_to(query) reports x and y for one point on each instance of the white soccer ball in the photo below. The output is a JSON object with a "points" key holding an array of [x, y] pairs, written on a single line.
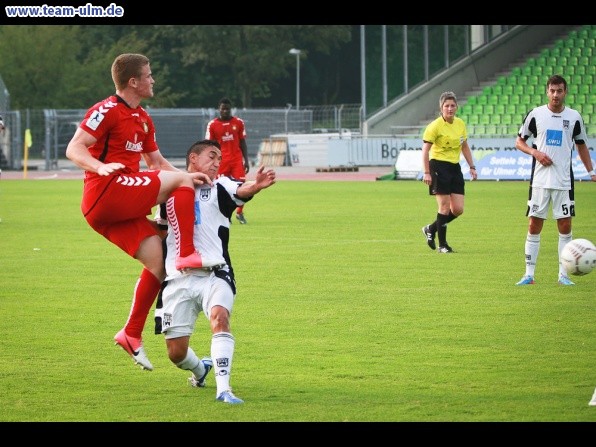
{"points": [[579, 257]]}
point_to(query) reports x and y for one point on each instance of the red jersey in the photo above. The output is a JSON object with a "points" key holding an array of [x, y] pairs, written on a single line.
{"points": [[122, 133], [228, 134]]}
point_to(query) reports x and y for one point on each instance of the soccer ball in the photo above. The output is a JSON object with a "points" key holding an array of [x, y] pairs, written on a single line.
{"points": [[579, 257]]}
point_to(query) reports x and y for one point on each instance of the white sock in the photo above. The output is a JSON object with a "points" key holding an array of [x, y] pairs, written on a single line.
{"points": [[192, 363], [222, 352], [532, 248], [563, 240]]}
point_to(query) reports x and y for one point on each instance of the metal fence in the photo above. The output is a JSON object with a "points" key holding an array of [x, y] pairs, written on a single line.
{"points": [[177, 129]]}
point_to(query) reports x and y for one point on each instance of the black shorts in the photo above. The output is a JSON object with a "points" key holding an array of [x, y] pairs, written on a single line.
{"points": [[447, 178]]}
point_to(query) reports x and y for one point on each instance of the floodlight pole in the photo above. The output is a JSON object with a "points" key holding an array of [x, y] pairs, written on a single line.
{"points": [[297, 53]]}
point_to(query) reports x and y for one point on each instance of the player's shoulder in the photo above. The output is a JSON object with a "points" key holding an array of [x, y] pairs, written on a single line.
{"points": [[143, 111], [107, 103], [226, 179], [429, 130], [107, 106], [571, 112], [436, 123], [227, 183], [459, 121], [538, 112]]}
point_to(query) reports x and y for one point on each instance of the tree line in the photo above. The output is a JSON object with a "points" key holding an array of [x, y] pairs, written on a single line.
{"points": [[68, 66]]}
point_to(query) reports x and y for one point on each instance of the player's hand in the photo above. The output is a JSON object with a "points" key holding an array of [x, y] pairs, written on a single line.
{"points": [[246, 167], [109, 168], [543, 159], [200, 178], [265, 178]]}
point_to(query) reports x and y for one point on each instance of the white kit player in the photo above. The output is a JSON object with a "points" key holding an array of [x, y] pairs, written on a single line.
{"points": [[556, 130], [211, 290]]}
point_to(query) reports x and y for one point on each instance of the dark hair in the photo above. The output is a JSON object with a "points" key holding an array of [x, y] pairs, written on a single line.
{"points": [[225, 101], [556, 80], [198, 147]]}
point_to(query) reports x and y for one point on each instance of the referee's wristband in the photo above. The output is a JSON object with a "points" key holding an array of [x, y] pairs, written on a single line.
{"points": [[591, 173]]}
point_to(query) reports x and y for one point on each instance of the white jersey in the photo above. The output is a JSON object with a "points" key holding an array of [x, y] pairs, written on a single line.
{"points": [[556, 135], [214, 206]]}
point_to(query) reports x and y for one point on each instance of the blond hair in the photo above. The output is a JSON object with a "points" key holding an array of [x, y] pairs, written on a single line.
{"points": [[126, 66], [444, 97]]}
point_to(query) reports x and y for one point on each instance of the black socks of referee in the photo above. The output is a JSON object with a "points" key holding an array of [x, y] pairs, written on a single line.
{"points": [[441, 224]]}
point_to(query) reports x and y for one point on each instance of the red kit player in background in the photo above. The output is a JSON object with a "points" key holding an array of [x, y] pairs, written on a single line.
{"points": [[117, 196], [230, 133]]}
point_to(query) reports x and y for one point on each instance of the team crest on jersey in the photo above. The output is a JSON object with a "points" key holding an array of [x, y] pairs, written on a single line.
{"points": [[205, 194], [166, 321], [566, 124]]}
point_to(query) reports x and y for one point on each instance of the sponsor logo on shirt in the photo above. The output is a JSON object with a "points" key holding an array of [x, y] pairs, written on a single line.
{"points": [[554, 137], [136, 146], [227, 137]]}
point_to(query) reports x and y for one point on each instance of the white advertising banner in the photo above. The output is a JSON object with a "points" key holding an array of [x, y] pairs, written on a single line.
{"points": [[495, 158]]}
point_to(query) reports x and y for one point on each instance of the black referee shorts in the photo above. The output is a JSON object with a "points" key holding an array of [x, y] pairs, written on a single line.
{"points": [[447, 178]]}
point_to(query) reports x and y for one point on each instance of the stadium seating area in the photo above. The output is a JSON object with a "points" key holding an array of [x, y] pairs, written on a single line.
{"points": [[500, 107]]}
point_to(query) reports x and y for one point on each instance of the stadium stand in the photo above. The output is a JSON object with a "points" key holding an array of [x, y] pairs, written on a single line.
{"points": [[511, 95]]}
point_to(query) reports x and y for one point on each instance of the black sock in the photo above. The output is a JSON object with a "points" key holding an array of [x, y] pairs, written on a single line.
{"points": [[451, 217], [442, 221]]}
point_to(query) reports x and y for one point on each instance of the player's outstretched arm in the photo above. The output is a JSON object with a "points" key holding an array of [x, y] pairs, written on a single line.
{"points": [[263, 179]]}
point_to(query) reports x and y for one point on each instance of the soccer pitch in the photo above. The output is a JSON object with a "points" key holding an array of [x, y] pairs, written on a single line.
{"points": [[343, 313]]}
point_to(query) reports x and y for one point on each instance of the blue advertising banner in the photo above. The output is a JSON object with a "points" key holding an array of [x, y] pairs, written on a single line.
{"points": [[511, 164]]}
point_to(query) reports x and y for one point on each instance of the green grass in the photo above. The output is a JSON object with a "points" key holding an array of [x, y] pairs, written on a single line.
{"points": [[342, 313]]}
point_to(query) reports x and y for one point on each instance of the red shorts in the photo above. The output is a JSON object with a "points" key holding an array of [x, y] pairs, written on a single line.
{"points": [[116, 207], [232, 167]]}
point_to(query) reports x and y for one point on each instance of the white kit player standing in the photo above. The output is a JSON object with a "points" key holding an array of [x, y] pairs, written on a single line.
{"points": [[556, 129]]}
